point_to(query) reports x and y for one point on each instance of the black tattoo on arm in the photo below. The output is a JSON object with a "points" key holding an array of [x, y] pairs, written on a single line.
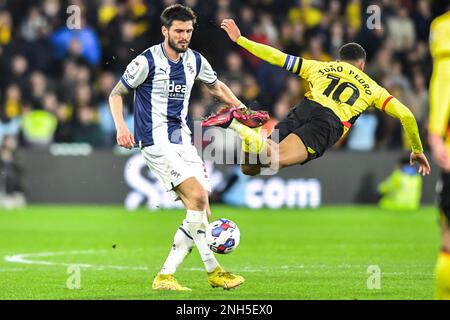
{"points": [[119, 90]]}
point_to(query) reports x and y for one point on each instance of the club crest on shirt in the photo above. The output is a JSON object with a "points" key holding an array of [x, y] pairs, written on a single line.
{"points": [[191, 69]]}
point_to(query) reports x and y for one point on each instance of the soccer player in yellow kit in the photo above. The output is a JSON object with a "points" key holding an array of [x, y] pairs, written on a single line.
{"points": [[438, 130], [339, 92]]}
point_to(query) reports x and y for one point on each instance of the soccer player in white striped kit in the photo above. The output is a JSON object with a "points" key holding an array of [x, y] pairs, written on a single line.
{"points": [[162, 78]]}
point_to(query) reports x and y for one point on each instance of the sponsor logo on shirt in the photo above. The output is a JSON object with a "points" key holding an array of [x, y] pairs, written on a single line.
{"points": [[176, 91]]}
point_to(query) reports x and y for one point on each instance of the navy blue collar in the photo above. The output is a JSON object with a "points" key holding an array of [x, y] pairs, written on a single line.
{"points": [[167, 57]]}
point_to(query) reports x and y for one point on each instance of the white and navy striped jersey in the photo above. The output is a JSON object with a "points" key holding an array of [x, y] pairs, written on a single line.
{"points": [[162, 89]]}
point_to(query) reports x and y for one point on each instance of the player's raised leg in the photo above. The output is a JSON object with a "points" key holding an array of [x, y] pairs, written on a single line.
{"points": [[195, 199], [247, 124], [290, 151]]}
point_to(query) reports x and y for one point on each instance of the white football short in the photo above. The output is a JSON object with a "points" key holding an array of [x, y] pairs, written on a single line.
{"points": [[172, 164]]}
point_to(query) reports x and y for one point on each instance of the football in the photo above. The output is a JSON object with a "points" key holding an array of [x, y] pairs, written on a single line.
{"points": [[223, 236]]}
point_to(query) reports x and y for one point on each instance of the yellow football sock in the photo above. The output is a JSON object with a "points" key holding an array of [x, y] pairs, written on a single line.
{"points": [[245, 147], [252, 141], [443, 276], [241, 129]]}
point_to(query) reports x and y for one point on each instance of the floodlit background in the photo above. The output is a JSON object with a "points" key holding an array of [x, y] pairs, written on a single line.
{"points": [[58, 152]]}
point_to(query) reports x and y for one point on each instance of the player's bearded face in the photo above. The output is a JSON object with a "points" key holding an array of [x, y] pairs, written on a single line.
{"points": [[179, 35], [179, 46]]}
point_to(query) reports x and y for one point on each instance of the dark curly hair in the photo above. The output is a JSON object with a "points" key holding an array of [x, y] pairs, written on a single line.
{"points": [[177, 12], [352, 52]]}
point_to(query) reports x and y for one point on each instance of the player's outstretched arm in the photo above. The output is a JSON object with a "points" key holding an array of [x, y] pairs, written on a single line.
{"points": [[222, 92], [262, 51], [396, 109], [124, 137]]}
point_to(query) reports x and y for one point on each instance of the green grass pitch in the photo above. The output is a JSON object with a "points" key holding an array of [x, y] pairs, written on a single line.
{"points": [[284, 254]]}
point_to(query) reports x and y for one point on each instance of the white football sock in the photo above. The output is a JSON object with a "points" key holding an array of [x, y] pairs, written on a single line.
{"points": [[197, 227], [181, 247]]}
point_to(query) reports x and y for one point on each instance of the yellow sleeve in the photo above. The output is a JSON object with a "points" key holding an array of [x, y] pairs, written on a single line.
{"points": [[439, 105], [393, 107], [271, 55], [439, 35], [439, 98]]}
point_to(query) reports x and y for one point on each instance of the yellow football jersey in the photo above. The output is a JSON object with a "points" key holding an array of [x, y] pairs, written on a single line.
{"points": [[439, 85], [439, 36], [341, 87]]}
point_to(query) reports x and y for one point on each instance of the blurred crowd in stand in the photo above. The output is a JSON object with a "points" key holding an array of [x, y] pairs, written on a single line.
{"points": [[55, 81]]}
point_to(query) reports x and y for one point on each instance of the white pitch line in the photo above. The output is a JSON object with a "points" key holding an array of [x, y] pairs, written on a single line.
{"points": [[11, 269], [25, 259]]}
